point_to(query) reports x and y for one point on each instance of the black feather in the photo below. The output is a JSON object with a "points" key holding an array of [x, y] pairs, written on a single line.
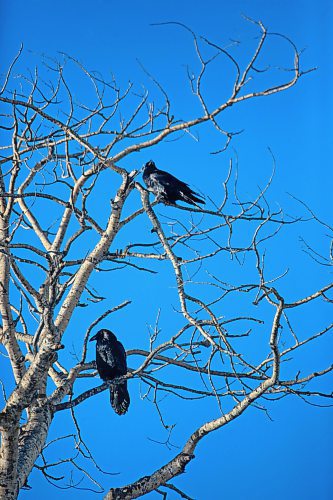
{"points": [[111, 363], [168, 188]]}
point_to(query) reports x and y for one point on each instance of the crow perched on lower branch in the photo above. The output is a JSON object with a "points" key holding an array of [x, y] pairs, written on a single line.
{"points": [[111, 363], [168, 188]]}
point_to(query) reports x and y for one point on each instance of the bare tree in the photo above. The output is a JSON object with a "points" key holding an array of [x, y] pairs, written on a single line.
{"points": [[56, 233]]}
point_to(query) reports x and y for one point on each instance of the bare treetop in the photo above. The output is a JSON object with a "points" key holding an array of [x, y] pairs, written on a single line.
{"points": [[69, 201]]}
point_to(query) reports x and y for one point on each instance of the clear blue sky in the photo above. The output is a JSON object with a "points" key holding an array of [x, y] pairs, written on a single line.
{"points": [[253, 458]]}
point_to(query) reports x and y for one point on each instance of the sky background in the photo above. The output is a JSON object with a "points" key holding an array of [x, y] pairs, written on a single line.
{"points": [[253, 457]]}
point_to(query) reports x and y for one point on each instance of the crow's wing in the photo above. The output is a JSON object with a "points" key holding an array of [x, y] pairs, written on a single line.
{"points": [[105, 353], [111, 360], [120, 358], [173, 189], [156, 183], [168, 180]]}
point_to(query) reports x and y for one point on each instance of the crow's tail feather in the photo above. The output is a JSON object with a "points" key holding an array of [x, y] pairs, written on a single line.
{"points": [[119, 398], [192, 199]]}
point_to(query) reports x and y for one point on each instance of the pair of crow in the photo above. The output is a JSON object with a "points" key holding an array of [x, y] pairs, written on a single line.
{"points": [[110, 353]]}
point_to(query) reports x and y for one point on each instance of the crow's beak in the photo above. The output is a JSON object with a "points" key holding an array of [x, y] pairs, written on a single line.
{"points": [[93, 338]]}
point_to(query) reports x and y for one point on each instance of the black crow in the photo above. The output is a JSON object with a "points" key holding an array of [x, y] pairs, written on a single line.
{"points": [[111, 363], [168, 188]]}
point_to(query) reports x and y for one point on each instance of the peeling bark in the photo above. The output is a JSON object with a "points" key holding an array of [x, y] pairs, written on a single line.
{"points": [[8, 462], [32, 439], [149, 483]]}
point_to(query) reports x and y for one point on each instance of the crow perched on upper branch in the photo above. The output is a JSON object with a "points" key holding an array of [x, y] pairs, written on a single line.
{"points": [[111, 363], [168, 188]]}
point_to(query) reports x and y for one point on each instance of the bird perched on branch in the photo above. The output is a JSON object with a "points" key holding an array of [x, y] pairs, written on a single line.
{"points": [[167, 188], [111, 363]]}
